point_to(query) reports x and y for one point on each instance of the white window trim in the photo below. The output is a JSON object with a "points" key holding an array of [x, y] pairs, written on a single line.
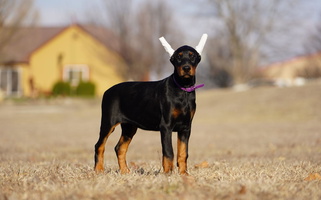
{"points": [[83, 68], [9, 91]]}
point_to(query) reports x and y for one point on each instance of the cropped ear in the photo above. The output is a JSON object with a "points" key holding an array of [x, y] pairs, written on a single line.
{"points": [[167, 46], [201, 44]]}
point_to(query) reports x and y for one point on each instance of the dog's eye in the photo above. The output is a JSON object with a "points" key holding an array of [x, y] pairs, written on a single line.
{"points": [[192, 56], [179, 56]]}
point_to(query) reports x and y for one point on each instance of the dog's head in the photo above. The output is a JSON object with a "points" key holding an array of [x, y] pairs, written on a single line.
{"points": [[185, 60]]}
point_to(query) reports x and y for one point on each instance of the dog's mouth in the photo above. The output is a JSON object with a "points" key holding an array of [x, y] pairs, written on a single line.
{"points": [[187, 75], [186, 72]]}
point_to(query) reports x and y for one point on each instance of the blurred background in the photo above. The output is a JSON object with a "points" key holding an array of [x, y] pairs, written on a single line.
{"points": [[82, 47], [261, 143]]}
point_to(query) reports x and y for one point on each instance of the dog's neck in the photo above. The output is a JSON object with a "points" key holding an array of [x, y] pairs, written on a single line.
{"points": [[184, 82]]}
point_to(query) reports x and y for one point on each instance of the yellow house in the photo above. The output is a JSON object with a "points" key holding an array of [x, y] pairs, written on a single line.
{"points": [[38, 57]]}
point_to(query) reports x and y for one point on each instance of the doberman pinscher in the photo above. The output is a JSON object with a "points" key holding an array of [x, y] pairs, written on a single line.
{"points": [[167, 105]]}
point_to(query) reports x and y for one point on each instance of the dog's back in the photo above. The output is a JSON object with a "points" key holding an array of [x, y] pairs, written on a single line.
{"points": [[138, 103]]}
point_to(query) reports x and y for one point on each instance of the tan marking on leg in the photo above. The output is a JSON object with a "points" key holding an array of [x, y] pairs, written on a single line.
{"points": [[99, 166], [181, 157], [121, 155], [167, 164]]}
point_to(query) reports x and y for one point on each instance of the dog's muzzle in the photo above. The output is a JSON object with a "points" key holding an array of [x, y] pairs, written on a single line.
{"points": [[187, 68]]}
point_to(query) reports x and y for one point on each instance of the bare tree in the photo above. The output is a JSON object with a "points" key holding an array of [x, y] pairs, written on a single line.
{"points": [[14, 14], [154, 19], [244, 28], [312, 48], [313, 41], [119, 16], [138, 29]]}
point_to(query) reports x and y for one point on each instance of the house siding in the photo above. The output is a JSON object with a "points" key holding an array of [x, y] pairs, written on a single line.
{"points": [[73, 46]]}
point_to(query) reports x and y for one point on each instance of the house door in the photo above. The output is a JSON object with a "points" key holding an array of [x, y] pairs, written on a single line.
{"points": [[10, 81]]}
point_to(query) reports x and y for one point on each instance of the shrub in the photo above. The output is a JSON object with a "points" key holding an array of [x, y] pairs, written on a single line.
{"points": [[86, 89], [61, 88]]}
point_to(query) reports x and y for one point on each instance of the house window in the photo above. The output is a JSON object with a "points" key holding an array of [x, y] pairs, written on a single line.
{"points": [[10, 81], [75, 74]]}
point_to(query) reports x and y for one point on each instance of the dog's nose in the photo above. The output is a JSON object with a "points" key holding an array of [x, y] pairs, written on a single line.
{"points": [[186, 68]]}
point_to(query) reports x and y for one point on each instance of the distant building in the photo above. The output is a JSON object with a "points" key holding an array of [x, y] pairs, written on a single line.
{"points": [[38, 57], [294, 71]]}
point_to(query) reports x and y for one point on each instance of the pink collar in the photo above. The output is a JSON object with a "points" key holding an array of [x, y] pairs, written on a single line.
{"points": [[189, 89]]}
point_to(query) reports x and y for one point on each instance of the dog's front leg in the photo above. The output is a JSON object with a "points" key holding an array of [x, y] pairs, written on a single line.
{"points": [[182, 150], [167, 149]]}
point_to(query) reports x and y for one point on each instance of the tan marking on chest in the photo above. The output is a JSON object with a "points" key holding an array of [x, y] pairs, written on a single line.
{"points": [[176, 112]]}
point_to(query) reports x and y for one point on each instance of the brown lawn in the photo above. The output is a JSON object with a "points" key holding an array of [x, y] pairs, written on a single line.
{"points": [[264, 143]]}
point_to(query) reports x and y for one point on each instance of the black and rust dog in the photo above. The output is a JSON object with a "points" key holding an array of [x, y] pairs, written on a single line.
{"points": [[167, 105]]}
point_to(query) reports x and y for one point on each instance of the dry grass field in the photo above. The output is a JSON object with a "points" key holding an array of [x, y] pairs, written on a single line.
{"points": [[263, 143]]}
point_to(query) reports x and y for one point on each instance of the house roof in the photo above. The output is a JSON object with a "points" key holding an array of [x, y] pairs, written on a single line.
{"points": [[29, 39], [105, 36]]}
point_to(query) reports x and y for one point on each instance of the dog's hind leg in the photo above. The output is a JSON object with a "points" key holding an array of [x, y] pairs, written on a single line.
{"points": [[105, 131], [128, 132]]}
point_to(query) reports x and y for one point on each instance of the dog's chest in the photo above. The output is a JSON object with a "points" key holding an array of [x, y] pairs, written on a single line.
{"points": [[184, 108]]}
